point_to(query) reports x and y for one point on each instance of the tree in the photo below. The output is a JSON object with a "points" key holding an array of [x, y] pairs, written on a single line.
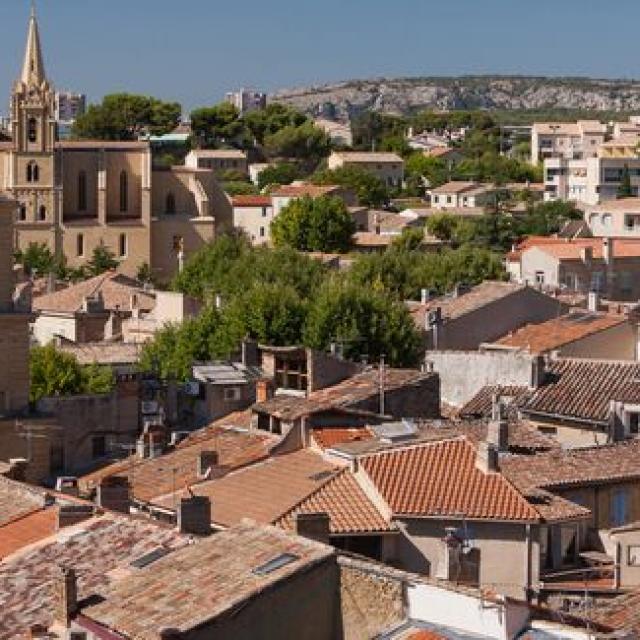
{"points": [[239, 188], [220, 124], [37, 258], [624, 189], [280, 173], [303, 142], [367, 321], [124, 116], [102, 259], [434, 170], [314, 224], [54, 373], [264, 122], [144, 273], [410, 239], [371, 191]]}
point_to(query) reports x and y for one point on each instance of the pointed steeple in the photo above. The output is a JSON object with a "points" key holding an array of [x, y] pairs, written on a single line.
{"points": [[33, 67]]}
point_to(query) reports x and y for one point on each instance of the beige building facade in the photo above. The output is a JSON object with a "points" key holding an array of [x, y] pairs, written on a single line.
{"points": [[389, 167], [76, 195]]}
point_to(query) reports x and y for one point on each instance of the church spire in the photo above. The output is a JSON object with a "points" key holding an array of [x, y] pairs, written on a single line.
{"points": [[33, 67]]}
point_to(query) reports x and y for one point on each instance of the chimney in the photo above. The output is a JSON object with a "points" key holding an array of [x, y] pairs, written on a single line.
{"points": [[607, 250], [66, 596], [450, 566], [70, 514], [424, 296], [538, 371], [593, 302], [206, 460], [315, 526], [113, 493], [141, 447], [250, 353], [194, 515], [487, 457], [498, 427], [67, 485], [264, 390]]}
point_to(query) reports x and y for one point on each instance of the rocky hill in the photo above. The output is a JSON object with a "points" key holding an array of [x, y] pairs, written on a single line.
{"points": [[407, 95]]}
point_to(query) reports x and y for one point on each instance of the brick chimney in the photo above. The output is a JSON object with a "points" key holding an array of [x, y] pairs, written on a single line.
{"points": [[194, 515], [487, 457], [114, 493], [206, 460], [66, 604], [498, 427], [315, 526], [264, 390]]}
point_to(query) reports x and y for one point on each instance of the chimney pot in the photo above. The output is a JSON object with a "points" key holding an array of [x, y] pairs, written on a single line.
{"points": [[194, 515]]}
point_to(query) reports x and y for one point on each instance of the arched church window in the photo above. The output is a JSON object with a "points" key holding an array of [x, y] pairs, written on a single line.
{"points": [[33, 172], [23, 212], [42, 213], [82, 191], [124, 191], [32, 130], [171, 203]]}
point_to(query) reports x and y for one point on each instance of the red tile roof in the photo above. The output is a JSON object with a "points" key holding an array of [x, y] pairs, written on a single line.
{"points": [[442, 479], [327, 437], [251, 201], [349, 509], [27, 529], [584, 389], [481, 405], [621, 613], [301, 190], [558, 332]]}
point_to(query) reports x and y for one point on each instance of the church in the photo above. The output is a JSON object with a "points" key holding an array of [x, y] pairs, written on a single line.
{"points": [[75, 195]]}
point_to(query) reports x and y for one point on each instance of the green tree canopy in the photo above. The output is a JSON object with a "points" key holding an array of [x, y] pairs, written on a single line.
{"points": [[366, 321], [102, 259], [124, 116], [265, 122], [371, 191], [54, 373], [36, 258], [314, 224], [302, 142], [217, 125], [281, 173]]}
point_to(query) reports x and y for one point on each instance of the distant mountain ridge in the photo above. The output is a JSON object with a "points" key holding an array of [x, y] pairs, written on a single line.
{"points": [[407, 95]]}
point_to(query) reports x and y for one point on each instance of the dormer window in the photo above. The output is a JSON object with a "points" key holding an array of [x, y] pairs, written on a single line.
{"points": [[32, 130]]}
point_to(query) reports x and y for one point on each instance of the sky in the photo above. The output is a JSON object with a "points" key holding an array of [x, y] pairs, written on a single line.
{"points": [[193, 51]]}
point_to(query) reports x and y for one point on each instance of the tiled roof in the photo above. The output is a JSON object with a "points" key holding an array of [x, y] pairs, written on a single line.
{"points": [[455, 186], [347, 394], [349, 509], [453, 307], [251, 201], [203, 581], [481, 405], [301, 190], [104, 353], [439, 152], [555, 333], [27, 529], [621, 613], [263, 491], [441, 479], [622, 205], [584, 389], [152, 477], [572, 249], [327, 437], [565, 468], [220, 153], [369, 156], [18, 499], [94, 549], [115, 289]]}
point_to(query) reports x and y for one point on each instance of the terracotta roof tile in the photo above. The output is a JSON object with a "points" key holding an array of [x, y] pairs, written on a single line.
{"points": [[442, 479], [327, 437], [621, 613], [584, 389], [481, 405], [558, 332], [18, 499], [177, 468], [251, 201], [349, 509], [27, 529], [104, 353], [369, 156], [115, 289], [301, 190], [263, 491]]}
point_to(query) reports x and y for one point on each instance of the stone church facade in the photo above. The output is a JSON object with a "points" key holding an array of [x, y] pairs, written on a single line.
{"points": [[75, 195]]}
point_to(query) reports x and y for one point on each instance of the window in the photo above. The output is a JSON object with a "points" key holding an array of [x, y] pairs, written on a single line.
{"points": [[274, 564], [23, 212], [597, 281], [539, 277], [619, 507], [633, 420], [42, 213], [33, 172], [32, 132], [80, 245], [606, 220], [262, 232], [170, 204], [264, 212], [98, 447], [122, 245], [232, 394], [82, 191], [633, 556], [124, 191], [435, 199], [449, 200]]}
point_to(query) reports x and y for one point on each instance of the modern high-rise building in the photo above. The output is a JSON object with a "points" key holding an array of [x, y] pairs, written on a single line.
{"points": [[69, 106]]}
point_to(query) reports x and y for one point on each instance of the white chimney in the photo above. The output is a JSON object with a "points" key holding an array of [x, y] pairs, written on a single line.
{"points": [[593, 302]]}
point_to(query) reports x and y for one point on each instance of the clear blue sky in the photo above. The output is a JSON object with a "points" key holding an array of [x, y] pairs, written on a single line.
{"points": [[194, 50]]}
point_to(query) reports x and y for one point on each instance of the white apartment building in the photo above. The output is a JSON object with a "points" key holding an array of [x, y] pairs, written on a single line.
{"points": [[247, 100], [69, 106], [218, 160], [459, 194], [567, 140], [253, 214], [615, 219]]}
